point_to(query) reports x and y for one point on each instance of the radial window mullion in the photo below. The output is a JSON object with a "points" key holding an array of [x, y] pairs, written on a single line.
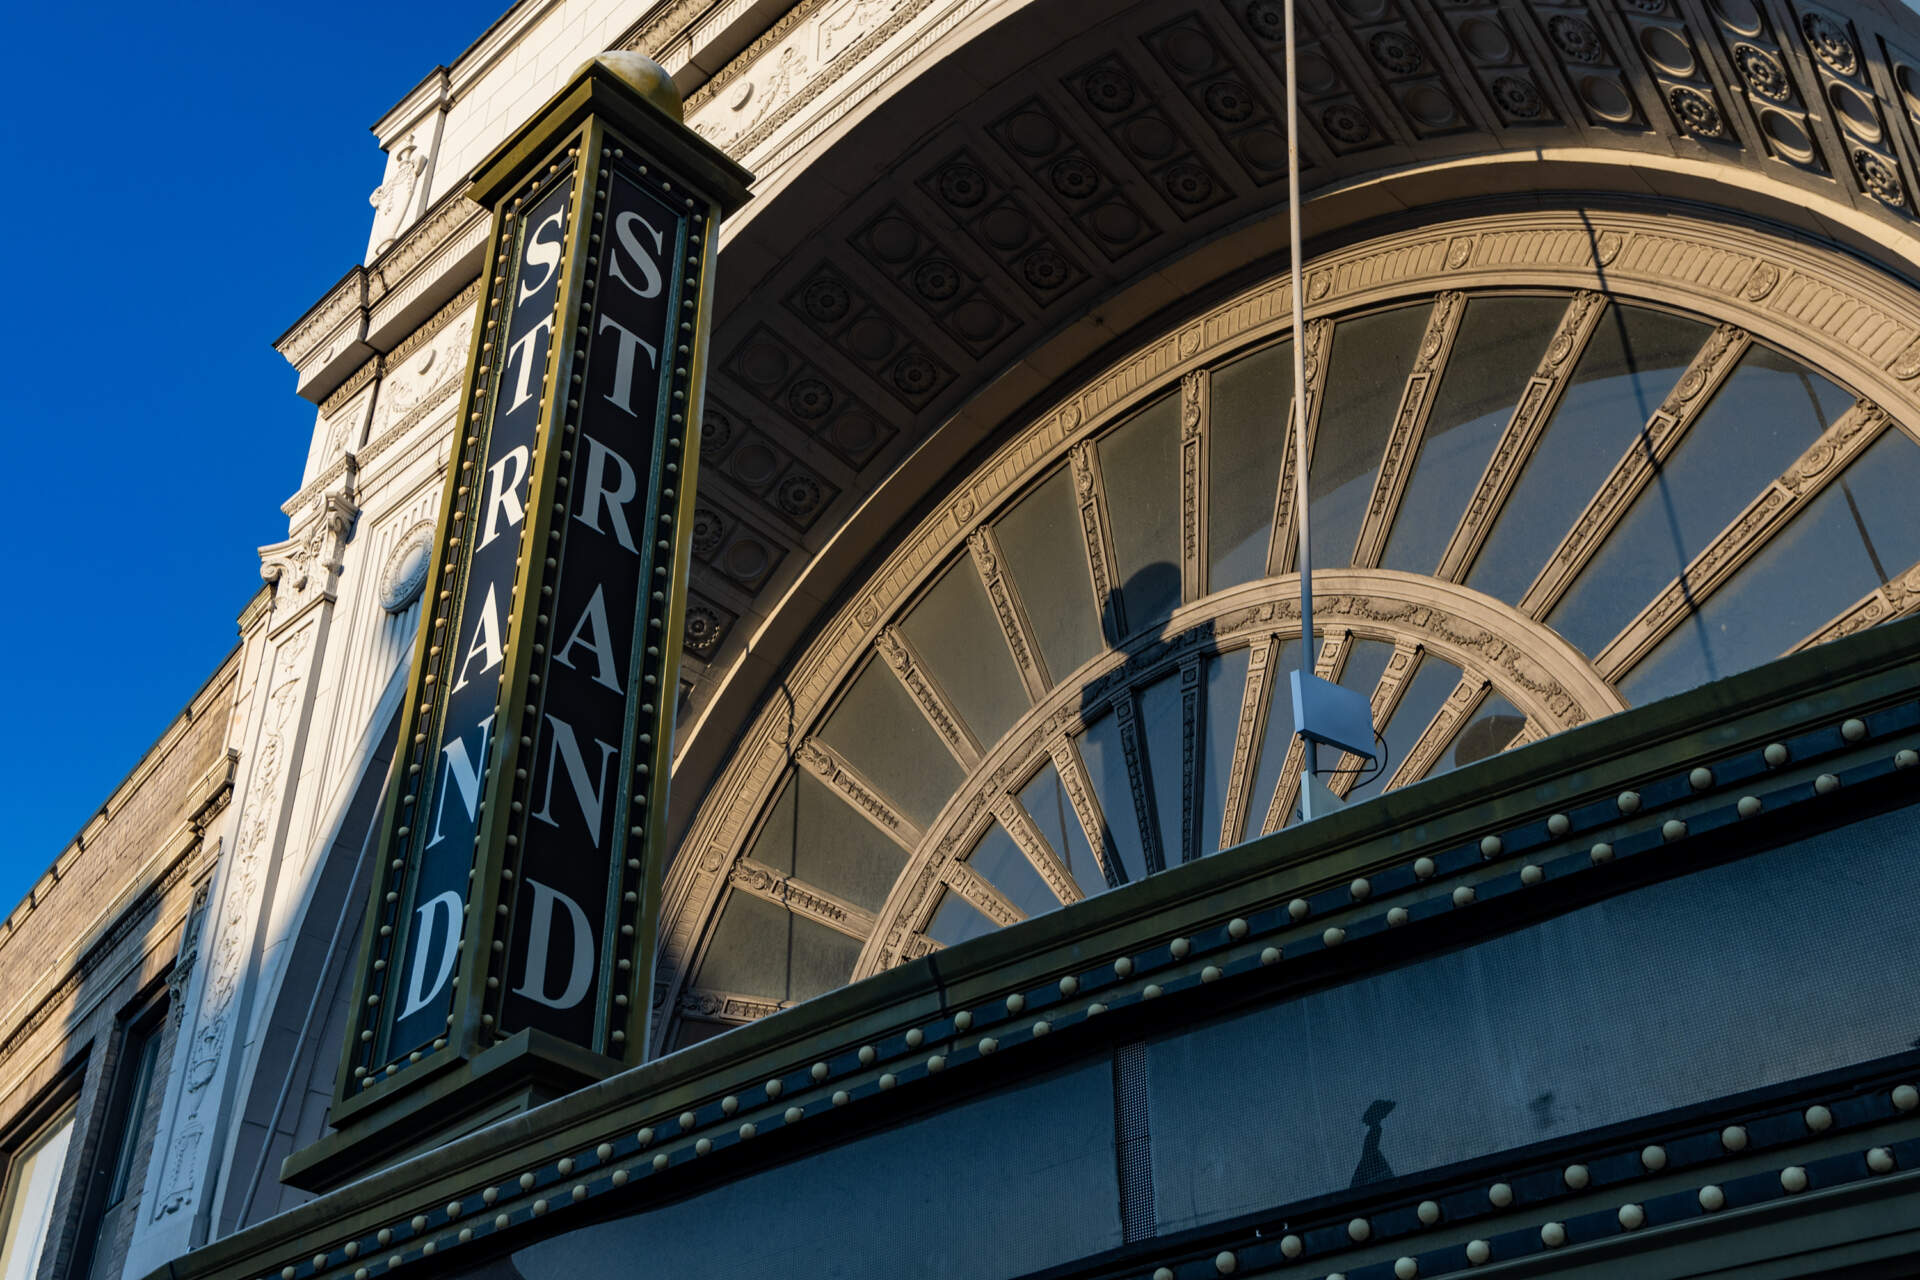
{"points": [[1283, 534], [1593, 404], [1371, 360], [1536, 404], [1409, 426], [1767, 413], [1456, 710], [1637, 468], [1746, 536], [1899, 595]]}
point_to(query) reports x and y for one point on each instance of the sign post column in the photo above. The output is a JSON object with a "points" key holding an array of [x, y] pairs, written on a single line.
{"points": [[508, 947]]}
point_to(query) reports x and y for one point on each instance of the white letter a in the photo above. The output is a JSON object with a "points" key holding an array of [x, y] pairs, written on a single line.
{"points": [[591, 631], [486, 640]]}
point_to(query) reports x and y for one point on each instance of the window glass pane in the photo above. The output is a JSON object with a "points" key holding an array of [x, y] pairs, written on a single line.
{"points": [[1366, 376], [1247, 438], [1669, 971], [999, 860], [955, 920], [1046, 803], [1046, 557], [957, 637], [1107, 768], [1279, 737], [1860, 531], [142, 1047], [31, 1184], [1160, 731], [1765, 416], [881, 731], [1140, 466], [1433, 680], [831, 848], [1496, 350], [1486, 733], [760, 949], [1634, 357], [1016, 1182], [1226, 680]]}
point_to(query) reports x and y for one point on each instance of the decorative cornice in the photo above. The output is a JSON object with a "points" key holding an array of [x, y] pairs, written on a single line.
{"points": [[652, 35], [345, 391], [460, 304], [741, 62], [256, 608], [325, 318], [441, 225]]}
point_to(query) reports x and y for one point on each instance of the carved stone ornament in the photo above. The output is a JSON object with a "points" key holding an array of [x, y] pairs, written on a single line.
{"points": [[405, 572], [392, 198], [306, 567]]}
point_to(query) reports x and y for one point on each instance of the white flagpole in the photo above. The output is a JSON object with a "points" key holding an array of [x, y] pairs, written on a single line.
{"points": [[1299, 389]]}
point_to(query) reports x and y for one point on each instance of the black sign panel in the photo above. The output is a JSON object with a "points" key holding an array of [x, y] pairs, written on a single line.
{"points": [[599, 688], [471, 653]]}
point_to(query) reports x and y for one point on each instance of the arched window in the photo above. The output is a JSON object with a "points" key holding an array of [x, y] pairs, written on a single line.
{"points": [[1531, 506]]}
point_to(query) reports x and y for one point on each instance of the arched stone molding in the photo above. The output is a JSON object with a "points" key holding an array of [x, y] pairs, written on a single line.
{"points": [[1856, 324]]}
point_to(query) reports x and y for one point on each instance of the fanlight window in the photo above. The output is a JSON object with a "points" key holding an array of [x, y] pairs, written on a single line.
{"points": [[1529, 510]]}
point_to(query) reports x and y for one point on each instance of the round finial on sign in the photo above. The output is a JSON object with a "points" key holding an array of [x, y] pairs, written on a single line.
{"points": [[644, 75]]}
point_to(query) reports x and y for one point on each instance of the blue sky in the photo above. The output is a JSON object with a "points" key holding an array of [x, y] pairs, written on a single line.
{"points": [[186, 181]]}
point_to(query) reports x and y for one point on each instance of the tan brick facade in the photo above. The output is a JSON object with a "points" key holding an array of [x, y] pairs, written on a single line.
{"points": [[93, 949]]}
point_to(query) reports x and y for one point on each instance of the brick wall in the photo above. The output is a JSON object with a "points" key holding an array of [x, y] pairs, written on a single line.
{"points": [[95, 944]]}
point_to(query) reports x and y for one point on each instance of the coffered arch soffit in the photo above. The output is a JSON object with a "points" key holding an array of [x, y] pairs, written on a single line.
{"points": [[916, 272], [1852, 324]]}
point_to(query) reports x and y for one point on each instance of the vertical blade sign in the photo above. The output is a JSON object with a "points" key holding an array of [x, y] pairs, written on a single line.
{"points": [[514, 902], [467, 657], [601, 660]]}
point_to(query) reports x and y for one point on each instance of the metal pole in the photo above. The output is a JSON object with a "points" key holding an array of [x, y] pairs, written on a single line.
{"points": [[1299, 388]]}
